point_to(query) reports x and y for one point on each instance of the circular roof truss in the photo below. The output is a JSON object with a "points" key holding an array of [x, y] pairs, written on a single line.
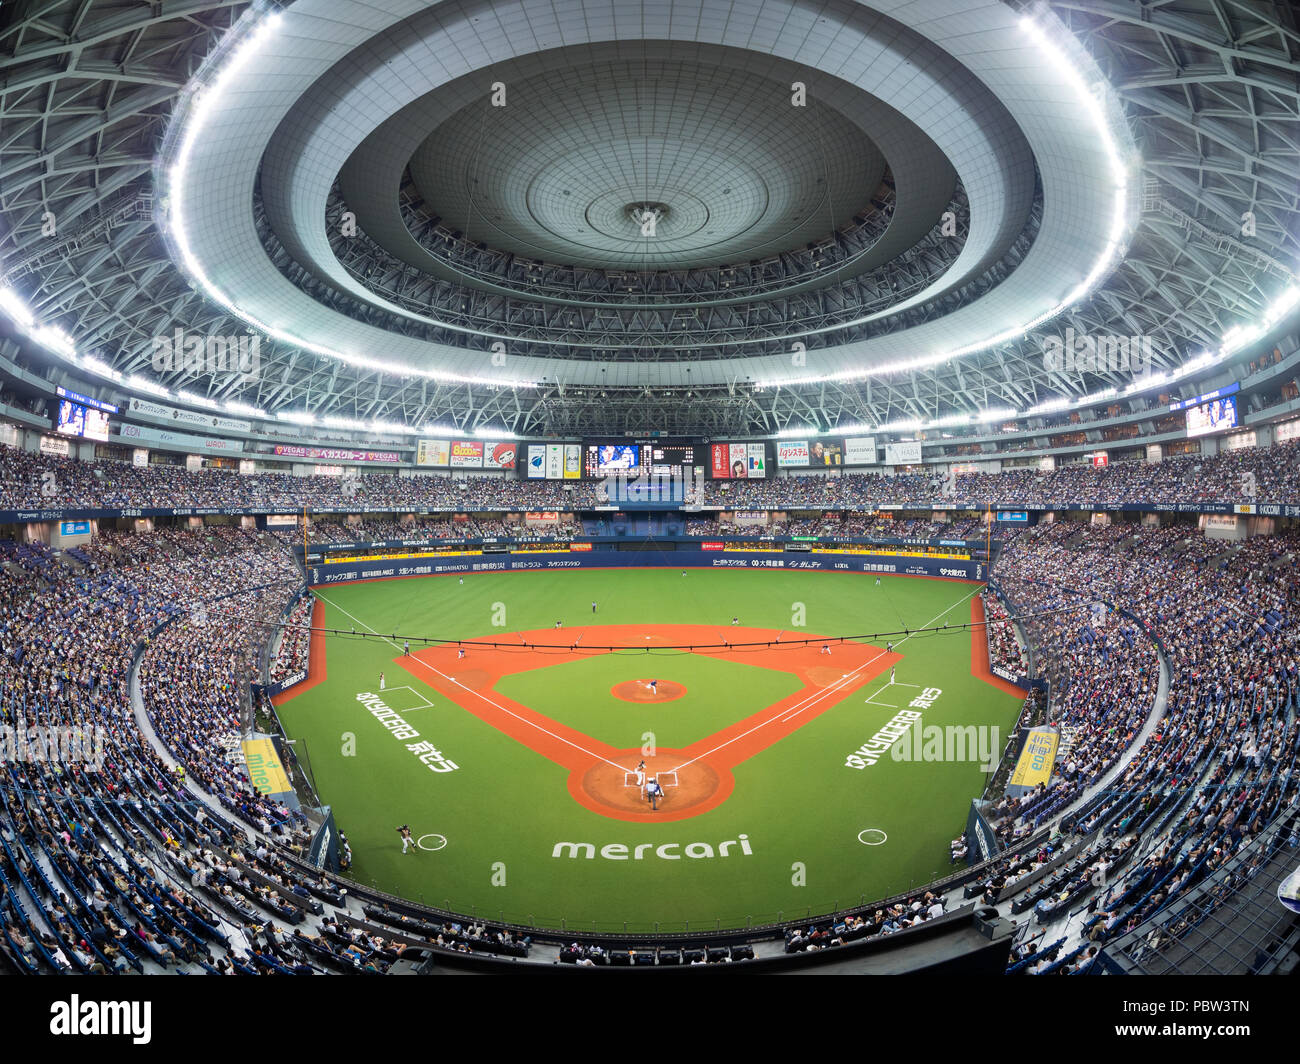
{"points": [[1208, 90]]}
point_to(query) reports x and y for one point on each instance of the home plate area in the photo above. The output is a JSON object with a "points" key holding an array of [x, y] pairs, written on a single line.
{"points": [[638, 780], [616, 788]]}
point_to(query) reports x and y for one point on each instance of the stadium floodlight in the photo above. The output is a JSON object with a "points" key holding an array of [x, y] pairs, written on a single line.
{"points": [[54, 338], [390, 427], [144, 385], [1232, 340], [13, 305], [950, 420], [329, 422], [1239, 336], [297, 417], [1094, 99], [199, 104], [95, 365]]}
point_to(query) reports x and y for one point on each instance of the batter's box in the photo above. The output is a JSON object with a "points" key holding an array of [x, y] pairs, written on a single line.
{"points": [[666, 779], [403, 703]]}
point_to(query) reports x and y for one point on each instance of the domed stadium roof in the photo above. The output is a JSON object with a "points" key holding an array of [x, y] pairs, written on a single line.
{"points": [[564, 217]]}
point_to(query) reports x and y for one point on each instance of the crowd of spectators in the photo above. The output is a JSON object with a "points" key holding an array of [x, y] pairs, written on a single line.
{"points": [[596, 955], [1101, 604], [1005, 649], [293, 643], [30, 480], [107, 862], [111, 865], [901, 916]]}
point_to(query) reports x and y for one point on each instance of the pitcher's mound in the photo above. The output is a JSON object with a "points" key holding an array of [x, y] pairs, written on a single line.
{"points": [[639, 691]]}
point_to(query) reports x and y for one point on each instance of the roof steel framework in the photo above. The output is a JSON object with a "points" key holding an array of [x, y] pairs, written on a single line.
{"points": [[1210, 90]]}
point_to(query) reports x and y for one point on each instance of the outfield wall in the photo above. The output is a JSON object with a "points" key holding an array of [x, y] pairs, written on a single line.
{"points": [[889, 565]]}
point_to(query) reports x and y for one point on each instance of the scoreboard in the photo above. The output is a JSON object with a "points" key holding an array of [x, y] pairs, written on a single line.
{"points": [[640, 458]]}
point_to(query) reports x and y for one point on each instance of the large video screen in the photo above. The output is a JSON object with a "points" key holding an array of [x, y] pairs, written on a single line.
{"points": [[611, 459], [636, 459], [78, 420], [1214, 416]]}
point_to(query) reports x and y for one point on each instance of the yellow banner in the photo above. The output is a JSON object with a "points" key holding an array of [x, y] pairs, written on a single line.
{"points": [[264, 768], [1036, 759], [892, 553], [332, 558]]}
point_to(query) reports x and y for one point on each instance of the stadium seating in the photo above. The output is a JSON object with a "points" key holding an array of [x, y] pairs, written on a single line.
{"points": [[25, 482], [122, 865]]}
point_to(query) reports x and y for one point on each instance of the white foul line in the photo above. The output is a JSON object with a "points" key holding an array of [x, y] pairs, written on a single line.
{"points": [[794, 711], [470, 690], [763, 724]]}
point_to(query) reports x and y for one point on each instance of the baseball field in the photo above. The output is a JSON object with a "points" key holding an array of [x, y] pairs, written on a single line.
{"points": [[801, 771]]}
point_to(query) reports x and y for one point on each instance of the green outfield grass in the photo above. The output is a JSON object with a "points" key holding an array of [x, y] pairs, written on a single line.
{"points": [[505, 807]]}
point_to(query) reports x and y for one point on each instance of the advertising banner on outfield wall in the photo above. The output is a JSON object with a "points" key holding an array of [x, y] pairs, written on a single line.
{"points": [[902, 454], [860, 450], [433, 453], [536, 461], [555, 461], [791, 453], [333, 454], [499, 455], [738, 461], [1286, 430], [825, 453], [1262, 509], [180, 439], [384, 569], [572, 461], [466, 454], [191, 418]]}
